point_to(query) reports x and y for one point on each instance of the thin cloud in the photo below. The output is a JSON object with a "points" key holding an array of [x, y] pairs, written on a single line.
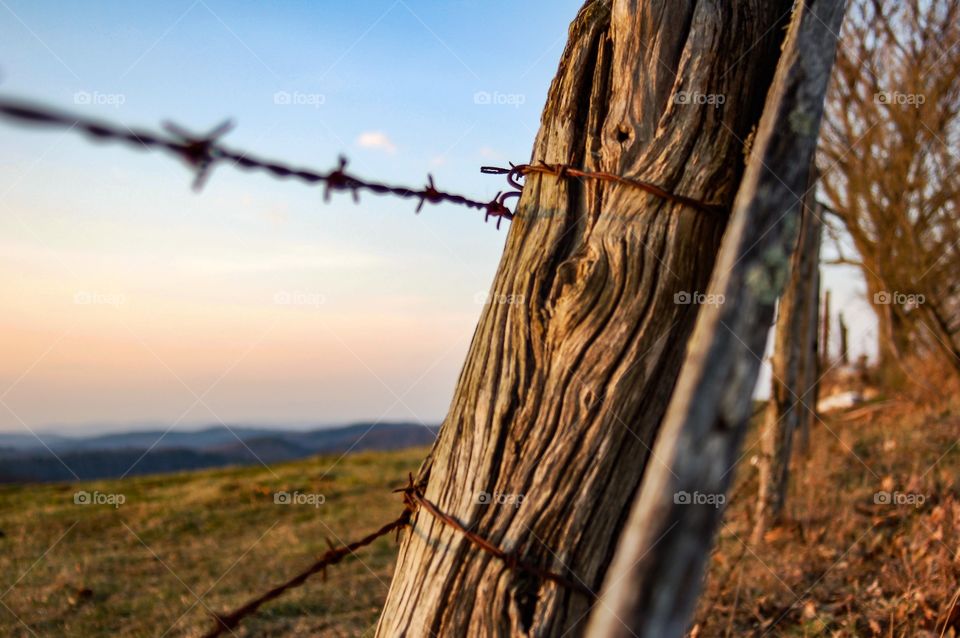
{"points": [[377, 140]]}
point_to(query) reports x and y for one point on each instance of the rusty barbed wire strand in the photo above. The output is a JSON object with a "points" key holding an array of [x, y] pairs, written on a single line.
{"points": [[412, 499], [202, 152], [229, 621]]}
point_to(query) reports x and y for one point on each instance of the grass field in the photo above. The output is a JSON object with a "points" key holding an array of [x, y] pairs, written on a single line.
{"points": [[185, 543], [843, 564]]}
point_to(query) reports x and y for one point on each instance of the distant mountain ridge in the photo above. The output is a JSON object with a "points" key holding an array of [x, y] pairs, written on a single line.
{"points": [[24, 458]]}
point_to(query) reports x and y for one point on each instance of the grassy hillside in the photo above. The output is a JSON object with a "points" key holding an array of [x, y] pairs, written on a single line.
{"points": [[843, 564], [139, 568]]}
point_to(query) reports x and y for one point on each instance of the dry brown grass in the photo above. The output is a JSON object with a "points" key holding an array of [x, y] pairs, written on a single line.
{"points": [[842, 564], [184, 544]]}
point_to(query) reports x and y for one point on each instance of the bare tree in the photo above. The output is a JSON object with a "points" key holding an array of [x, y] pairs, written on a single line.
{"points": [[891, 158], [562, 395]]}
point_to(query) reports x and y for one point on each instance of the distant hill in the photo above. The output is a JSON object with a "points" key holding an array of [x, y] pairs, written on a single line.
{"points": [[24, 458]]}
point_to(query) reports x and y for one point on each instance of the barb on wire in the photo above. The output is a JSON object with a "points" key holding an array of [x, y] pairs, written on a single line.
{"points": [[198, 151], [201, 153]]}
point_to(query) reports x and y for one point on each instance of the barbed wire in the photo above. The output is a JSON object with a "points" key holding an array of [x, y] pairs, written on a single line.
{"points": [[229, 621], [511, 559], [413, 500], [202, 152]]}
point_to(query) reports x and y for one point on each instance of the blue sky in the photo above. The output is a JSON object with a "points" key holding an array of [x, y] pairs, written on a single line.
{"points": [[184, 326], [130, 299]]}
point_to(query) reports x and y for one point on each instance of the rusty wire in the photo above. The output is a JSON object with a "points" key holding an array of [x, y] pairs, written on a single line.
{"points": [[228, 621], [202, 152], [563, 171], [413, 498], [510, 559]]}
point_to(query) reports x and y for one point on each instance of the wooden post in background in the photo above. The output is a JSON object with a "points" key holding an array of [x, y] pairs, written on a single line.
{"points": [[825, 339], [844, 354]]}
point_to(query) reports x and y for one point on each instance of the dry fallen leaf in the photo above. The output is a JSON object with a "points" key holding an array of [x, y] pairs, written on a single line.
{"points": [[887, 484]]}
